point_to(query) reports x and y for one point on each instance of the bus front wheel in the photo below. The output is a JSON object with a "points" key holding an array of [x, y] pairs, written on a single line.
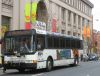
{"points": [[49, 64], [21, 70]]}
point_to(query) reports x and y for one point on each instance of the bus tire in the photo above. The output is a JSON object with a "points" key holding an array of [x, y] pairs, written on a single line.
{"points": [[49, 64], [21, 70]]}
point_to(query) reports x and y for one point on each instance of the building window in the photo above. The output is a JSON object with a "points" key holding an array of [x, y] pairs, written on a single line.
{"points": [[63, 0], [69, 33], [72, 2], [79, 20], [76, 4], [63, 13], [79, 5], [85, 8], [78, 35], [89, 11], [50, 8], [83, 22], [74, 34], [74, 18], [67, 1], [63, 31], [6, 21], [69, 16]]}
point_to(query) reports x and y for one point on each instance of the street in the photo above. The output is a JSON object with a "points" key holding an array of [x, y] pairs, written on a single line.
{"points": [[91, 68]]}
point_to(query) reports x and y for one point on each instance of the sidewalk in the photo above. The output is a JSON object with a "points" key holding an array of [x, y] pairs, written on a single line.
{"points": [[1, 68]]}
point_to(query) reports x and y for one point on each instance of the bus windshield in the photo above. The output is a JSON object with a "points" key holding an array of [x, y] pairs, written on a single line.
{"points": [[20, 44]]}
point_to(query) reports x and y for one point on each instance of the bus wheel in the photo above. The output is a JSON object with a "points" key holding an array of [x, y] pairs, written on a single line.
{"points": [[4, 70], [21, 70], [49, 64]]}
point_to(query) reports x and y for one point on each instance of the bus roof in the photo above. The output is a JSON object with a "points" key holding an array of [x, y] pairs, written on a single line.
{"points": [[62, 35], [33, 31]]}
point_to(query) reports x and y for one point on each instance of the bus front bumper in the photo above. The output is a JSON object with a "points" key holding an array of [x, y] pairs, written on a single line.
{"points": [[20, 65]]}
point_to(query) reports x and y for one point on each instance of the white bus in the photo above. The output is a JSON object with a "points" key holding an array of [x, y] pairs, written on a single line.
{"points": [[35, 49]]}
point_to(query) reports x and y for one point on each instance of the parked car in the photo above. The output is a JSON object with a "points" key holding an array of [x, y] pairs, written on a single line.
{"points": [[93, 57], [85, 57]]}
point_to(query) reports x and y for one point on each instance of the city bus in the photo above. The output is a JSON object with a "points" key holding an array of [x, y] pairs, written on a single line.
{"points": [[37, 49]]}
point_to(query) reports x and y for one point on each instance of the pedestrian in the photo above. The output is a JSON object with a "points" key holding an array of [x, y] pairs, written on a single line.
{"points": [[81, 57], [76, 55]]}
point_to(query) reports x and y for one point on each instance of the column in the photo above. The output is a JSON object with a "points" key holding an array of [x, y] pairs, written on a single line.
{"points": [[77, 25], [81, 27], [22, 16], [72, 22], [66, 21], [60, 20], [49, 15], [48, 4], [16, 15]]}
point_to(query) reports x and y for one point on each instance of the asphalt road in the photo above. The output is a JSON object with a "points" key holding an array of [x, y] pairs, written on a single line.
{"points": [[84, 69]]}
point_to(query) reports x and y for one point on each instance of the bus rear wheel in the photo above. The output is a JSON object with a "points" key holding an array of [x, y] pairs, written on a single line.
{"points": [[49, 64]]}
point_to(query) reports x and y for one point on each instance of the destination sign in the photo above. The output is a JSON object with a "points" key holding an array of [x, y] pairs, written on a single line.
{"points": [[20, 32]]}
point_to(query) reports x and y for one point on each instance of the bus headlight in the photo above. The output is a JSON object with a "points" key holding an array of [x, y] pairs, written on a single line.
{"points": [[34, 61], [30, 61]]}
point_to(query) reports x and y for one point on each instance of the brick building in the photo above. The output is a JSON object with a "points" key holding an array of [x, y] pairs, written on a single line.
{"points": [[96, 41]]}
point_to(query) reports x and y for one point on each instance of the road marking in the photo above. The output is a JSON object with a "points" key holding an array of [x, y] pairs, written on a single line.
{"points": [[38, 74]]}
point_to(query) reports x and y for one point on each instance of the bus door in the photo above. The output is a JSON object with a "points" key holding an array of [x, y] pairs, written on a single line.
{"points": [[40, 46]]}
